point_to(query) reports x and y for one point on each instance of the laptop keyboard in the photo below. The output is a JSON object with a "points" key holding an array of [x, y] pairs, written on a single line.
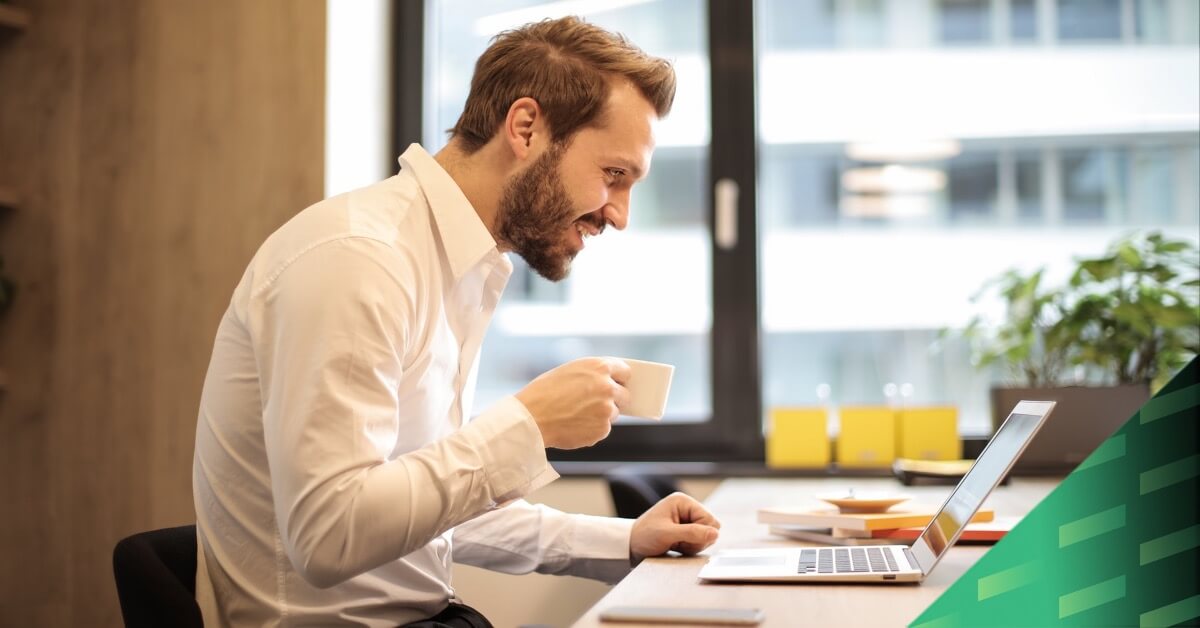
{"points": [[847, 560]]}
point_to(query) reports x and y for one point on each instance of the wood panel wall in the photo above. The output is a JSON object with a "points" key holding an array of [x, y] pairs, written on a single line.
{"points": [[155, 144]]}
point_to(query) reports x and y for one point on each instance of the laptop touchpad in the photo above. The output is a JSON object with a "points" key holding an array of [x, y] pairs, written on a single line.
{"points": [[751, 561]]}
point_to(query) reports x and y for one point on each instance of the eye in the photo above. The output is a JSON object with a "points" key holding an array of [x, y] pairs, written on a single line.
{"points": [[614, 174]]}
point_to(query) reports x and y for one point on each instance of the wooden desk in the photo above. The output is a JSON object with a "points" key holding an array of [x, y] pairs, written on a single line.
{"points": [[672, 581]]}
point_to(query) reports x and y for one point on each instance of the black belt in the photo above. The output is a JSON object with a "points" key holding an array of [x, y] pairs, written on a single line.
{"points": [[454, 616]]}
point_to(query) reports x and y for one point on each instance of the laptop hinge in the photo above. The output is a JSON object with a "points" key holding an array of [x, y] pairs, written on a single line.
{"points": [[912, 560]]}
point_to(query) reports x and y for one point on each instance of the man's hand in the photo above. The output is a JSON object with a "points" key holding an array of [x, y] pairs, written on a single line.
{"points": [[575, 404], [677, 522]]}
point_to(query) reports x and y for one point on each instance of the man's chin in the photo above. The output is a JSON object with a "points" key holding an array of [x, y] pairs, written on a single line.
{"points": [[551, 268]]}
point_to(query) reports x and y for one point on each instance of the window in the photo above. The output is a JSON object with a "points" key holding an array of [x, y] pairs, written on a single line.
{"points": [[888, 159], [965, 21], [895, 181], [1089, 20], [646, 293], [1022, 16]]}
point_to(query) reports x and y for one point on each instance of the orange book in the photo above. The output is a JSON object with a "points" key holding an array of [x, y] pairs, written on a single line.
{"points": [[983, 531], [987, 532]]}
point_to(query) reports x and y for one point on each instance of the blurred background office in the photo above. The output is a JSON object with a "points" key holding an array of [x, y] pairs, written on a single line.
{"points": [[878, 161]]}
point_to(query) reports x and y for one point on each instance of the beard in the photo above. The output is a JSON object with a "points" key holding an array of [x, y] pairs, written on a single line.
{"points": [[535, 217]]}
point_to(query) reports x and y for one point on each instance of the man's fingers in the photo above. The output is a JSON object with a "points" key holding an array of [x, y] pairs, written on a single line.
{"points": [[620, 395], [619, 370], [689, 510], [694, 537], [697, 534]]}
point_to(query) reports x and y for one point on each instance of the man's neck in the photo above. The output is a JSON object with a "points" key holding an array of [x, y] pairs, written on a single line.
{"points": [[480, 175]]}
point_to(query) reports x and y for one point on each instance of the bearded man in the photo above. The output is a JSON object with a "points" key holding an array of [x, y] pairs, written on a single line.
{"points": [[337, 470]]}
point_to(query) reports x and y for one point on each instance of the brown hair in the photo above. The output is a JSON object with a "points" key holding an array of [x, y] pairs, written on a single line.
{"points": [[566, 65]]}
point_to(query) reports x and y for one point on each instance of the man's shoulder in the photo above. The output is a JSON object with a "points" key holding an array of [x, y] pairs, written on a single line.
{"points": [[390, 217]]}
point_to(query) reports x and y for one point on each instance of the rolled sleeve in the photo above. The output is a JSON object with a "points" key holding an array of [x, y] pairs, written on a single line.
{"points": [[513, 452]]}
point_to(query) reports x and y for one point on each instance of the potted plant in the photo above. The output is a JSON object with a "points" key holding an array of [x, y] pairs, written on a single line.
{"points": [[1119, 327]]}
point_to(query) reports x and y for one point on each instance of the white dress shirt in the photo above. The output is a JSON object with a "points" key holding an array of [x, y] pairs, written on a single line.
{"points": [[334, 470]]}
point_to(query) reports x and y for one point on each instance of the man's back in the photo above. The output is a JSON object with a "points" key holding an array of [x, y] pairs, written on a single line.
{"points": [[382, 240]]}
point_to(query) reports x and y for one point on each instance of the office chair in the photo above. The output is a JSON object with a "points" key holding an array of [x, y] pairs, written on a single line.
{"points": [[635, 491], [156, 578]]}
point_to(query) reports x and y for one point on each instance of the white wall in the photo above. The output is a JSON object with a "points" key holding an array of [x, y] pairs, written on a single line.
{"points": [[358, 105]]}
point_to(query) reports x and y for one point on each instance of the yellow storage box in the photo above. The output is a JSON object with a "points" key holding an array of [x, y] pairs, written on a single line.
{"points": [[928, 433], [797, 438], [867, 437]]}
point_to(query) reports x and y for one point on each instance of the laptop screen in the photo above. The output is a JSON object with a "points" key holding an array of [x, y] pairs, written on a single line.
{"points": [[975, 486]]}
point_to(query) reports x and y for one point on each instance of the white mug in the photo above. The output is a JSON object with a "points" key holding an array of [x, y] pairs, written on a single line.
{"points": [[648, 385]]}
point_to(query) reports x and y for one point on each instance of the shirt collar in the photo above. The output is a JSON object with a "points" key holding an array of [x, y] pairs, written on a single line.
{"points": [[464, 236]]}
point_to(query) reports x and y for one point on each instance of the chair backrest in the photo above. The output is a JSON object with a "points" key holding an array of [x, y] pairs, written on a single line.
{"points": [[635, 491], [156, 578]]}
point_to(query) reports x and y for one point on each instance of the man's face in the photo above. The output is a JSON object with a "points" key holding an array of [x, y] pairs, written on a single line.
{"points": [[573, 192]]}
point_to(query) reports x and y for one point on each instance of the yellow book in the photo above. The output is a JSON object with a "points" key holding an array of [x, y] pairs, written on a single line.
{"points": [[797, 437], [928, 433], [867, 437]]}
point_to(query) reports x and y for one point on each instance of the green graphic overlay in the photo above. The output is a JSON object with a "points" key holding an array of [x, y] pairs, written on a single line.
{"points": [[1116, 544]]}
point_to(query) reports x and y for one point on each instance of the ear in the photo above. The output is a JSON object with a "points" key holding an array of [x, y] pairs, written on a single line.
{"points": [[523, 127]]}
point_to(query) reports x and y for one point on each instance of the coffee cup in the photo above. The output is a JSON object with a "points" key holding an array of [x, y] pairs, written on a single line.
{"points": [[648, 386]]}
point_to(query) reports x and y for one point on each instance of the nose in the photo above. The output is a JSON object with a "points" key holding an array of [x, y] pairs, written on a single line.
{"points": [[616, 212]]}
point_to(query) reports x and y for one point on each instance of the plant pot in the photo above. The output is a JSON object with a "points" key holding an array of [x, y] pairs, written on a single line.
{"points": [[1082, 419]]}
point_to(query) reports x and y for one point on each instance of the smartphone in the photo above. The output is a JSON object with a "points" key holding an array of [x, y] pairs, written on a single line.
{"points": [[674, 615]]}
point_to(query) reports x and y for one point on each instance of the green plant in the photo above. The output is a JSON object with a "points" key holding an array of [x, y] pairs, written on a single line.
{"points": [[1136, 313], [1027, 341], [1131, 315]]}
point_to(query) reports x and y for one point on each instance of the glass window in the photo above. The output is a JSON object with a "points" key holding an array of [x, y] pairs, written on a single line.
{"points": [[800, 186], [1089, 20], [1029, 186], [895, 175], [1022, 16], [888, 193], [643, 293], [1153, 190], [826, 24], [803, 25], [1167, 22], [1093, 184], [965, 21], [972, 186]]}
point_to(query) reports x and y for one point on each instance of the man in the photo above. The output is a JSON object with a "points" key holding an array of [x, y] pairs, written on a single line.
{"points": [[335, 468]]}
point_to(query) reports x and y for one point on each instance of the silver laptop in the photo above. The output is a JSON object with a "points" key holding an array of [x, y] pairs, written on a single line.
{"points": [[892, 563]]}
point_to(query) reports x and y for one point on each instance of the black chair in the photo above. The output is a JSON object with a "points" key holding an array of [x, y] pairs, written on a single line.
{"points": [[156, 578], [634, 490]]}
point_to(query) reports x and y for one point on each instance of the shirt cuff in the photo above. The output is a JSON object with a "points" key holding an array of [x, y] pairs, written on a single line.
{"points": [[514, 455], [600, 547]]}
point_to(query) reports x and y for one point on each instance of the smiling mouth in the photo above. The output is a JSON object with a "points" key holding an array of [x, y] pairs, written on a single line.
{"points": [[586, 229]]}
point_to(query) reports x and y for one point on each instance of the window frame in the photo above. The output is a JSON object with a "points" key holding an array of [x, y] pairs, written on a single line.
{"points": [[733, 432]]}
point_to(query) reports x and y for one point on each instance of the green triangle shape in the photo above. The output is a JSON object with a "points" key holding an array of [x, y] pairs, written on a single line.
{"points": [[1116, 544]]}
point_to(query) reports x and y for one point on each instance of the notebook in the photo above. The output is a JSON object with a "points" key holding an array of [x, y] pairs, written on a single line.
{"points": [[892, 563]]}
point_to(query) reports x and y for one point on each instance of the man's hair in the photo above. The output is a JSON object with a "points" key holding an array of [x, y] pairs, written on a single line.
{"points": [[567, 66]]}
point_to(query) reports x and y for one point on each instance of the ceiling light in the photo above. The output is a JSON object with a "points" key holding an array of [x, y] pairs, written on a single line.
{"points": [[860, 206], [893, 179], [903, 150]]}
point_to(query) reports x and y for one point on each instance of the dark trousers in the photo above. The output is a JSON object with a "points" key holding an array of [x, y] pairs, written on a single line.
{"points": [[454, 616]]}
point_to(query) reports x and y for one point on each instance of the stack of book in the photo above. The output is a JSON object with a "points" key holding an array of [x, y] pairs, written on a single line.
{"points": [[873, 528]]}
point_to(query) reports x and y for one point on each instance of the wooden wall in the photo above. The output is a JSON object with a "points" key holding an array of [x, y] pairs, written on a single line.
{"points": [[155, 143]]}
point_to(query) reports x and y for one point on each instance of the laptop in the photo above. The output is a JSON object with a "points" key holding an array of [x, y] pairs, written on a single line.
{"points": [[892, 563]]}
